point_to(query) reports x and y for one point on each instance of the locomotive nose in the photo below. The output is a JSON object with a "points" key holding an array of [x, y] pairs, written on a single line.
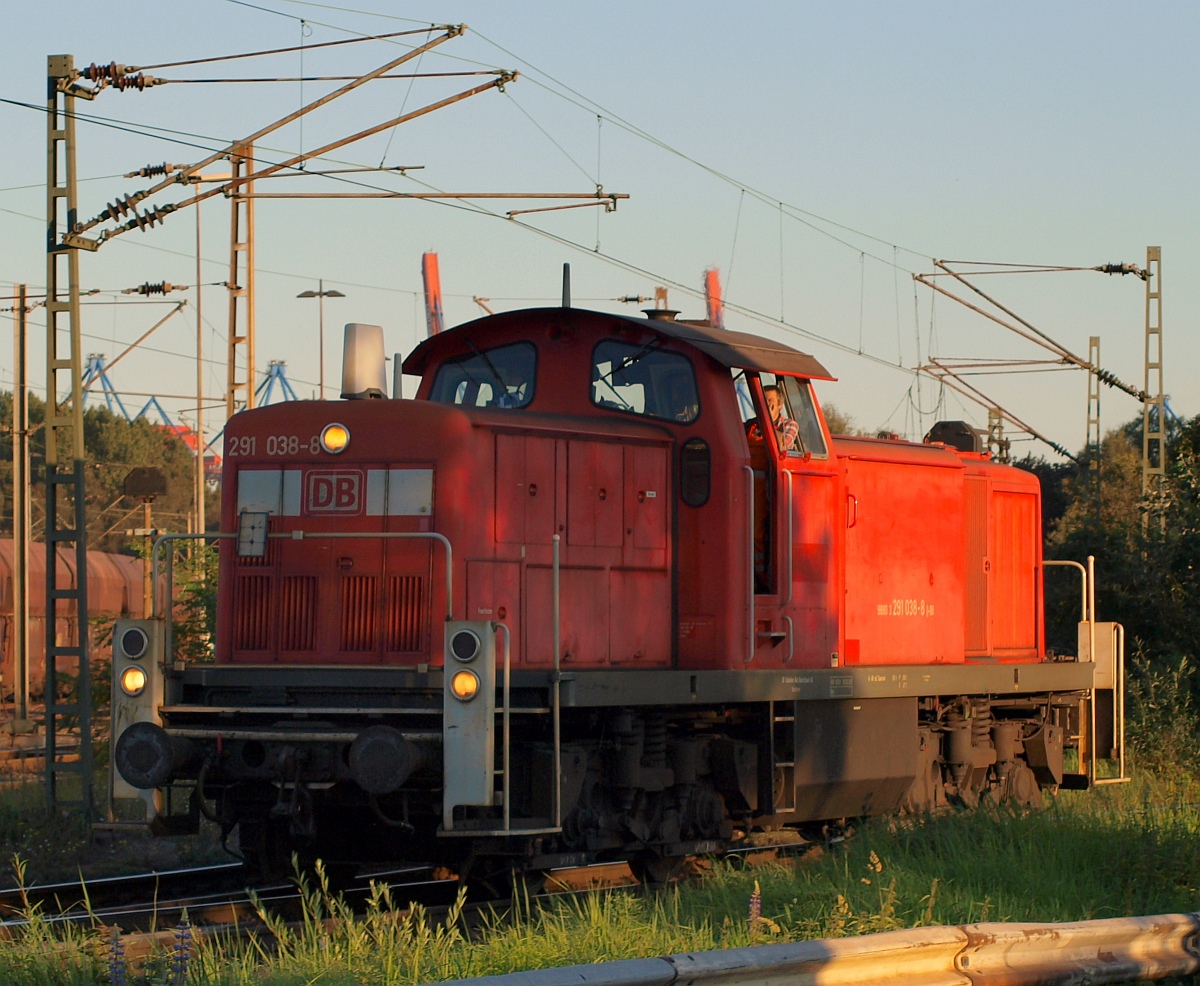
{"points": [[382, 759], [148, 758]]}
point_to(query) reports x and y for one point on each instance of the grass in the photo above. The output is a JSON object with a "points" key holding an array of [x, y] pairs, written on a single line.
{"points": [[60, 847], [1129, 849]]}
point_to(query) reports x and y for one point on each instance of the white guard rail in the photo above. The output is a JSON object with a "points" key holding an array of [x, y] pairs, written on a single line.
{"points": [[1112, 950]]}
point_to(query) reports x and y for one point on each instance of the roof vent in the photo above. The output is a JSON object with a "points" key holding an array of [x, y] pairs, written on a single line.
{"points": [[364, 370], [660, 314]]}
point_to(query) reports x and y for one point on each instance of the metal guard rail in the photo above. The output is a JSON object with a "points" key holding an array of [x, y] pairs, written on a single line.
{"points": [[1111, 950]]}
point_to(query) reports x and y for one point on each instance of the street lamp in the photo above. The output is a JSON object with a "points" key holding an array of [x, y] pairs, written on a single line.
{"points": [[321, 294]]}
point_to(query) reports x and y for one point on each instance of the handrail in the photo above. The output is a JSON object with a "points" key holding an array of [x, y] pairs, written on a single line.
{"points": [[1108, 950], [750, 569], [1088, 593], [169, 624], [1118, 704], [1083, 589], [787, 601], [507, 777], [556, 542]]}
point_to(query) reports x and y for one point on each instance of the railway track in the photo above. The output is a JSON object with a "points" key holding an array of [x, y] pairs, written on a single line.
{"points": [[224, 895]]}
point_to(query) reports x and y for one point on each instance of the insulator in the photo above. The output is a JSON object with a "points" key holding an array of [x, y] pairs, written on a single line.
{"points": [[139, 82], [110, 71], [149, 218], [151, 287], [151, 170], [122, 205]]}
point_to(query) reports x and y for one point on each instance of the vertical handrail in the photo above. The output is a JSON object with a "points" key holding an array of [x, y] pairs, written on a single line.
{"points": [[750, 569], [1087, 615], [1118, 703], [168, 622], [507, 772], [790, 561], [556, 541], [1091, 584], [1083, 583]]}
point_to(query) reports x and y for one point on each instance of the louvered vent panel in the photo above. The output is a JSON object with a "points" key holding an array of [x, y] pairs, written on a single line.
{"points": [[405, 616], [359, 597], [252, 619], [298, 612]]}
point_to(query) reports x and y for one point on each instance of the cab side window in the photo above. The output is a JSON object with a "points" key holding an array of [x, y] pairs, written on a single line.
{"points": [[500, 377], [801, 408], [644, 380]]}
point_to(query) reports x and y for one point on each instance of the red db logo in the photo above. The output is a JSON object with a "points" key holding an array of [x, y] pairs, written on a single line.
{"points": [[334, 492]]}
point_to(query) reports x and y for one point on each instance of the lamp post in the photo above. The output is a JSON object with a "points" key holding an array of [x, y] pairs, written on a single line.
{"points": [[321, 294]]}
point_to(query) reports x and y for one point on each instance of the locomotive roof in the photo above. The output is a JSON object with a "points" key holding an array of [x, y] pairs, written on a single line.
{"points": [[732, 349]]}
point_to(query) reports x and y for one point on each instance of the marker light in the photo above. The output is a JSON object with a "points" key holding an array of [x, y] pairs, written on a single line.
{"points": [[464, 686], [134, 643], [334, 438], [465, 645], [133, 681]]}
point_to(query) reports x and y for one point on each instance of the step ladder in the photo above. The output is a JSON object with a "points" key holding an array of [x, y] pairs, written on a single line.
{"points": [[67, 661], [782, 751]]}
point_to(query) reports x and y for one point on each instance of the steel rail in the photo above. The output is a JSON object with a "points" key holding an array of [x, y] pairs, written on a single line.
{"points": [[1111, 950]]}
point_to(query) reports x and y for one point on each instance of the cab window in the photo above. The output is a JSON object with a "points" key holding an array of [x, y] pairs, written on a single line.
{"points": [[644, 380], [500, 377], [801, 408], [793, 415]]}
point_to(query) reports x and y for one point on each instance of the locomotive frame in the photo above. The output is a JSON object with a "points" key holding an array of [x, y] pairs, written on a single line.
{"points": [[659, 633]]}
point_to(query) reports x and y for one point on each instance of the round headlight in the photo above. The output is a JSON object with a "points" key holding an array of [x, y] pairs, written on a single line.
{"points": [[465, 645], [464, 685], [133, 681], [334, 438], [134, 642]]}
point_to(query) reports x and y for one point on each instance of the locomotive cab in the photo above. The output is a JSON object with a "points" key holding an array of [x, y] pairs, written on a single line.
{"points": [[606, 588]]}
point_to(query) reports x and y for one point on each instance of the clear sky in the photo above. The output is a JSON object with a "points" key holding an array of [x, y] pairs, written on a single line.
{"points": [[817, 154]]}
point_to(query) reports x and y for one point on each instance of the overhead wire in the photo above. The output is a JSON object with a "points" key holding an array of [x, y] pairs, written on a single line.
{"points": [[403, 103], [594, 179], [585, 102], [275, 51], [480, 210], [805, 217]]}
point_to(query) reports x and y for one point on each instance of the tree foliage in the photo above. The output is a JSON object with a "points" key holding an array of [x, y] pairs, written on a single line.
{"points": [[113, 447], [1147, 551]]}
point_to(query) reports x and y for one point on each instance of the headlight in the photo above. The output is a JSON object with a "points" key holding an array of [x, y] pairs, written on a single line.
{"points": [[133, 681], [334, 438], [464, 686]]}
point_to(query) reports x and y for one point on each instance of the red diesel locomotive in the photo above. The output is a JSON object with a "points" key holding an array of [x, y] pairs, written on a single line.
{"points": [[569, 604]]}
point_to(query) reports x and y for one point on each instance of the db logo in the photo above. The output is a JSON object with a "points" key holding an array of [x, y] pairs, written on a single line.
{"points": [[334, 492]]}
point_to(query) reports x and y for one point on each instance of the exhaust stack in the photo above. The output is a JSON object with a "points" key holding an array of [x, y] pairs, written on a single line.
{"points": [[364, 370]]}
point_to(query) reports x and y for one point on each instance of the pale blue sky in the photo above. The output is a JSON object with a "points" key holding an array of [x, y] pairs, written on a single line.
{"points": [[1025, 132]]}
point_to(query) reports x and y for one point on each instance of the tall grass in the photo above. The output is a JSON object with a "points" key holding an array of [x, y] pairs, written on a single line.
{"points": [[1130, 849]]}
